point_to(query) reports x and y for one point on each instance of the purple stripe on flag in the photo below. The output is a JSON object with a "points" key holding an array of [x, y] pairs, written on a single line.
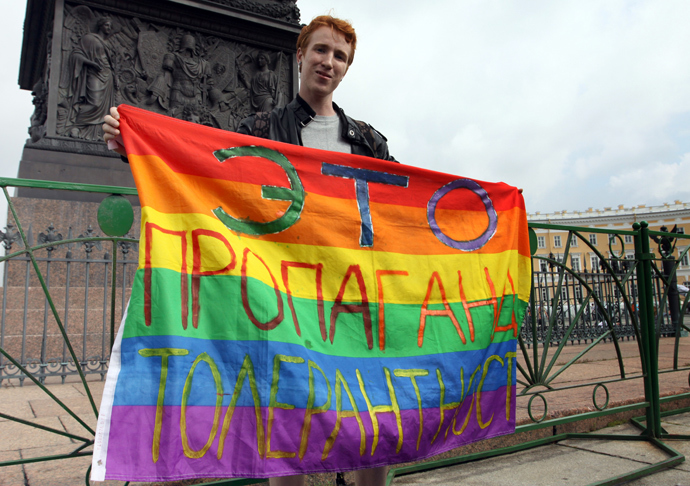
{"points": [[131, 437]]}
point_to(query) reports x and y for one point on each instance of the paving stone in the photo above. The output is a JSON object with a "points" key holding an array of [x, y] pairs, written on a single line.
{"points": [[679, 424], [60, 472], [680, 419], [31, 391], [682, 447], [641, 451], [11, 475], [551, 465], [16, 436], [670, 477], [15, 405], [74, 427], [49, 408]]}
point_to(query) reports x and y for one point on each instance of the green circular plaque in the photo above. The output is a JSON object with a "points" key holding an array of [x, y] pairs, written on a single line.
{"points": [[115, 215]]}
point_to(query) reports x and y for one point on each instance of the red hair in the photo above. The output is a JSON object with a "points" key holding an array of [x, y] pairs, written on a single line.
{"points": [[339, 25]]}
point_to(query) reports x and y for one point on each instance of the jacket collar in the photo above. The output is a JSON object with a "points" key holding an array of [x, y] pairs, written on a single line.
{"points": [[305, 114]]}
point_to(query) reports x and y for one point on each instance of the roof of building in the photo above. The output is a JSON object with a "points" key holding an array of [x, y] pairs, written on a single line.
{"points": [[677, 209]]}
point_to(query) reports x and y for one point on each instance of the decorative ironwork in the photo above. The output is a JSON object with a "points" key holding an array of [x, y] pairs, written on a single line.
{"points": [[90, 244], [618, 300], [546, 408], [9, 236], [50, 237], [126, 246], [594, 397]]}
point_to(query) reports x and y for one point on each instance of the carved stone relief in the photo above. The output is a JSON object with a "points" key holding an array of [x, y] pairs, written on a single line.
{"points": [[37, 129], [112, 59], [278, 9]]}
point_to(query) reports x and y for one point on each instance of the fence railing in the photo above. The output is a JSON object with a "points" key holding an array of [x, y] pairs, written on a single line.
{"points": [[62, 296], [77, 276]]}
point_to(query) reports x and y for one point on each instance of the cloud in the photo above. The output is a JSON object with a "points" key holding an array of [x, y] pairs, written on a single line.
{"points": [[658, 182], [575, 101], [556, 97]]}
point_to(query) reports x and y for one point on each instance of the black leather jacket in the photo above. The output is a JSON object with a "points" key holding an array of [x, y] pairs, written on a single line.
{"points": [[285, 125]]}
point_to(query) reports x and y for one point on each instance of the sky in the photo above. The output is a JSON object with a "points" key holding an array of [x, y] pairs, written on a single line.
{"points": [[581, 103]]}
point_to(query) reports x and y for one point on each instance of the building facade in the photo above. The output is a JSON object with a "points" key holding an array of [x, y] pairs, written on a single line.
{"points": [[582, 258]]}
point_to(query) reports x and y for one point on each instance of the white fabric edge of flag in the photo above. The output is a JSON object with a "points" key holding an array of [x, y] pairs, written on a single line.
{"points": [[100, 446]]}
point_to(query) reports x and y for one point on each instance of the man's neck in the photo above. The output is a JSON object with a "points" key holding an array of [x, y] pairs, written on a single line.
{"points": [[321, 105]]}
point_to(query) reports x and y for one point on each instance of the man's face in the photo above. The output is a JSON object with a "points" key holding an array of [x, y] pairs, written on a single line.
{"points": [[324, 62]]}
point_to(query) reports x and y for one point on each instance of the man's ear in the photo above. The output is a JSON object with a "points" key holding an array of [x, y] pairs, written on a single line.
{"points": [[299, 54]]}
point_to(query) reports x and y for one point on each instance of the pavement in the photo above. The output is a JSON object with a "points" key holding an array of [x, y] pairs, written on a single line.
{"points": [[567, 462], [570, 462]]}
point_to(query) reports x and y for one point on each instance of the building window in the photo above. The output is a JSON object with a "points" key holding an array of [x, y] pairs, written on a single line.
{"points": [[541, 241], [629, 256], [545, 294], [575, 262], [593, 238], [564, 293], [684, 261], [543, 266], [594, 262], [680, 231], [557, 241], [628, 239], [578, 292], [573, 240]]}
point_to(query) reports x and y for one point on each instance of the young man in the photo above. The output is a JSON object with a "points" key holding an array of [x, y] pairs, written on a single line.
{"points": [[325, 50]]}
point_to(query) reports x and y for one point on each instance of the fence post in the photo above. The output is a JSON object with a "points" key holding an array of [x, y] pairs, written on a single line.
{"points": [[648, 347]]}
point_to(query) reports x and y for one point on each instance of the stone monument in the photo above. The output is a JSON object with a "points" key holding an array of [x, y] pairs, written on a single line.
{"points": [[211, 62]]}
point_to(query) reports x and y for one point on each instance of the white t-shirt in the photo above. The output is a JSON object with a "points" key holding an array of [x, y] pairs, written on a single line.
{"points": [[323, 132]]}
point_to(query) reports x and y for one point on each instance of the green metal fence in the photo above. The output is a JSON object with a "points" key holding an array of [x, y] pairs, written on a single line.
{"points": [[627, 302], [630, 298]]}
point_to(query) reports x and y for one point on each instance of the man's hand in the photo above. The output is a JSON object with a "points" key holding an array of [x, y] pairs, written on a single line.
{"points": [[111, 131]]}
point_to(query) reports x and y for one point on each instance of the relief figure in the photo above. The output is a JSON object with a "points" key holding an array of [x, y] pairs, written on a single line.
{"points": [[90, 83], [264, 85], [191, 77], [159, 88]]}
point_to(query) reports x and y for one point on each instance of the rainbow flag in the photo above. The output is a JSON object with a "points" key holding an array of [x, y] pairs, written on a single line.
{"points": [[303, 311]]}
